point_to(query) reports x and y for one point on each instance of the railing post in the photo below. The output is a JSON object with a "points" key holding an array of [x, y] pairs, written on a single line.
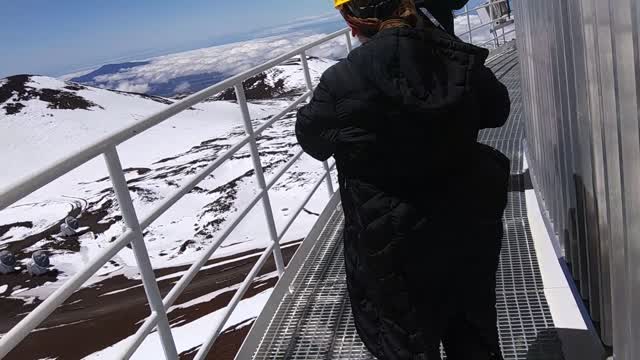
{"points": [[349, 44], [257, 165], [307, 76], [492, 29], [466, 10], [327, 170], [307, 72], [140, 250]]}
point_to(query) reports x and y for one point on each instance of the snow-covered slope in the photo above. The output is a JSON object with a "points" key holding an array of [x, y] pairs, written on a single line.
{"points": [[282, 81], [47, 111], [43, 120]]}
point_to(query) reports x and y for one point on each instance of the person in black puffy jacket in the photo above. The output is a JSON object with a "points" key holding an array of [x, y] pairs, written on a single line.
{"points": [[423, 200]]}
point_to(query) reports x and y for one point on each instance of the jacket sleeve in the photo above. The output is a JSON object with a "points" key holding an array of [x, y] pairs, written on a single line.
{"points": [[494, 101], [317, 124], [458, 4]]}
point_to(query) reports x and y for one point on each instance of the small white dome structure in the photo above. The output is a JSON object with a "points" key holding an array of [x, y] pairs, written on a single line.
{"points": [[7, 262], [69, 227], [39, 263]]}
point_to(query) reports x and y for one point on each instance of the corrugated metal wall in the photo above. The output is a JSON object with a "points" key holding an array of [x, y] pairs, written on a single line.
{"points": [[581, 87]]}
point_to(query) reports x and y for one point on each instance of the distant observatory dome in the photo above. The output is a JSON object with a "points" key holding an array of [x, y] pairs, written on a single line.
{"points": [[72, 222], [7, 262], [69, 227], [39, 263]]}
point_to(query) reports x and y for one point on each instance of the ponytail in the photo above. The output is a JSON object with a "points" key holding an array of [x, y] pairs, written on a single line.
{"points": [[405, 15]]}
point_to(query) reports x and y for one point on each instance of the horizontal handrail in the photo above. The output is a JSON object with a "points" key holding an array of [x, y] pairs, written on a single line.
{"points": [[191, 273], [186, 279], [32, 182], [107, 147], [237, 297], [498, 36], [202, 353], [194, 181], [483, 25]]}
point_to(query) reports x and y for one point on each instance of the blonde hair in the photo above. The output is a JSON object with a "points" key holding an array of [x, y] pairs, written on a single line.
{"points": [[405, 15]]}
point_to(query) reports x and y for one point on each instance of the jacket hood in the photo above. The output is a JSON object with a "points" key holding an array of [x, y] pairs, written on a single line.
{"points": [[423, 70]]}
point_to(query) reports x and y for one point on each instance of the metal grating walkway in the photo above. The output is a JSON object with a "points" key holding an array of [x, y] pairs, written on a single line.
{"points": [[314, 320]]}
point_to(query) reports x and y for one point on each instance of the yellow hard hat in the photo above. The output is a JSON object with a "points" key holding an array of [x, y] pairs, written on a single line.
{"points": [[338, 3]]}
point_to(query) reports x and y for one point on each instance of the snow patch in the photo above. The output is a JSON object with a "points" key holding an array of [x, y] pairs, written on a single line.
{"points": [[190, 335], [59, 326], [18, 290], [45, 82]]}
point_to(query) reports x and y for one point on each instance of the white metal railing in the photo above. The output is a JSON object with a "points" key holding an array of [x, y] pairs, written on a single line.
{"points": [[492, 24], [135, 225]]}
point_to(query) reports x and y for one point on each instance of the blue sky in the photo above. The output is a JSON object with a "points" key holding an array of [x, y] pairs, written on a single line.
{"points": [[53, 37]]}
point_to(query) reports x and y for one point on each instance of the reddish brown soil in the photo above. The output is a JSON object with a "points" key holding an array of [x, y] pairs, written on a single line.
{"points": [[91, 320]]}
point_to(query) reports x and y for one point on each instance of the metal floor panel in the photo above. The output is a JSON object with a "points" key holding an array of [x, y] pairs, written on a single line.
{"points": [[314, 319]]}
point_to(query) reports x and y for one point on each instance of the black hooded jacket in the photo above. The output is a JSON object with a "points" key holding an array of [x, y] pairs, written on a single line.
{"points": [[401, 117]]}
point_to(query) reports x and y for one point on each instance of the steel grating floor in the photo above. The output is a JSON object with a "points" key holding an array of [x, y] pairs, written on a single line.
{"points": [[314, 320]]}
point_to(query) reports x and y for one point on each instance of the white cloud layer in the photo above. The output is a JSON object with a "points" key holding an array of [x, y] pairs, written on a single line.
{"points": [[132, 87], [183, 87], [225, 60]]}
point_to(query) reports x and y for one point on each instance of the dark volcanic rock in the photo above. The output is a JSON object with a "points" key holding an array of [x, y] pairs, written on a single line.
{"points": [[16, 90], [13, 108], [257, 88]]}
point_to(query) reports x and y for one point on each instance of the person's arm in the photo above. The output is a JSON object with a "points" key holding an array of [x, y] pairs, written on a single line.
{"points": [[316, 125], [493, 96]]}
